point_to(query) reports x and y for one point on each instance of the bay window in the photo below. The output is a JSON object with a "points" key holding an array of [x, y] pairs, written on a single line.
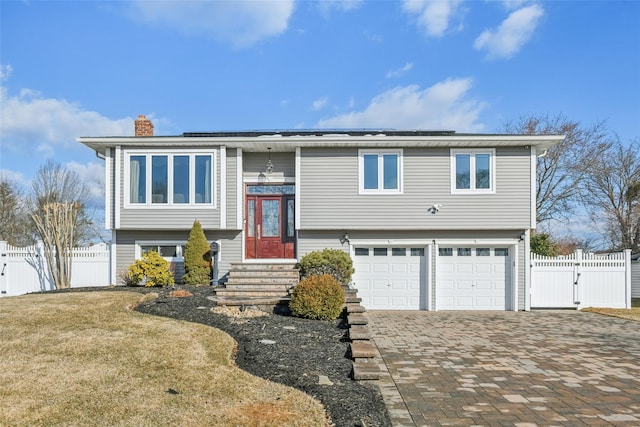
{"points": [[185, 179]]}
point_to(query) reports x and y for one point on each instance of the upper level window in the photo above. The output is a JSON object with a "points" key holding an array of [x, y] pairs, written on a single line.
{"points": [[473, 171], [159, 178], [380, 171]]}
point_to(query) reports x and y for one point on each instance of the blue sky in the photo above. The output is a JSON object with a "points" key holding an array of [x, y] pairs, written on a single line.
{"points": [[85, 68]]}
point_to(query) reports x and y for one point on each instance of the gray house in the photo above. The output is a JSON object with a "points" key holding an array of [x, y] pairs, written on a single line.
{"points": [[433, 220]]}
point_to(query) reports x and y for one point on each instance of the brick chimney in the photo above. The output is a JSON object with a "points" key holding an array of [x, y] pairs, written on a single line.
{"points": [[144, 127]]}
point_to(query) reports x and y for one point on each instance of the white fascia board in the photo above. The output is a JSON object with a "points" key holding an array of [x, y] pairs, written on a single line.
{"points": [[223, 188], [290, 143], [108, 164]]}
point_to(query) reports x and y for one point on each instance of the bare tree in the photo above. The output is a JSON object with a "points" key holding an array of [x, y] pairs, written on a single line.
{"points": [[612, 194], [560, 171], [13, 225], [55, 223], [58, 213], [54, 183]]}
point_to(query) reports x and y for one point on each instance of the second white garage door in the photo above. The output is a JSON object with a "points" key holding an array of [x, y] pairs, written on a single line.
{"points": [[473, 278], [390, 278]]}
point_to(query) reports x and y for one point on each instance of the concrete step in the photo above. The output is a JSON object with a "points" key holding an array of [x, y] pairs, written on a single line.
{"points": [[357, 319], [362, 349], [251, 293], [359, 332], [352, 299], [291, 274], [355, 308], [237, 285], [235, 266], [366, 371]]}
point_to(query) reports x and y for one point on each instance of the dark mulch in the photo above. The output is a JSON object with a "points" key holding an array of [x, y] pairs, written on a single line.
{"points": [[303, 351]]}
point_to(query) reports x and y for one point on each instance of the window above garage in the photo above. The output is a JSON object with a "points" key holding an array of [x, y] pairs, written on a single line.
{"points": [[380, 171], [473, 171]]}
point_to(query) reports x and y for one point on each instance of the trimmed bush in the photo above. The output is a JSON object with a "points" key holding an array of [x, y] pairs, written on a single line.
{"points": [[334, 262], [317, 297], [151, 270], [197, 258]]}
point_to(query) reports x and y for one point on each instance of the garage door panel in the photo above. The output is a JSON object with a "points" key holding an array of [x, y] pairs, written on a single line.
{"points": [[380, 267], [485, 284], [399, 268], [393, 279], [478, 280], [380, 284], [484, 268], [463, 267]]}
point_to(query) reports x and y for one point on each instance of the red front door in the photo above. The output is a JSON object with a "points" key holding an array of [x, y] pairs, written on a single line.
{"points": [[269, 228]]}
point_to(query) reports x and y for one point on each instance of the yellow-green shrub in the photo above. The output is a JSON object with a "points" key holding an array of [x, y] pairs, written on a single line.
{"points": [[334, 262], [151, 270], [317, 297]]}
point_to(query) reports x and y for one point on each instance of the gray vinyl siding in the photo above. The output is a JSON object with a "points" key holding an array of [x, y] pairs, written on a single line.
{"points": [[254, 164], [160, 218], [230, 245], [329, 198]]}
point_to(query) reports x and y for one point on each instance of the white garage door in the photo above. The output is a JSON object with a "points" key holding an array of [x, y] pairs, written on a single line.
{"points": [[391, 278], [473, 278]]}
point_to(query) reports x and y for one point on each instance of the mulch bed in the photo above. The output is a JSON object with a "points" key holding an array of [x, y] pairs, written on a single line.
{"points": [[303, 352]]}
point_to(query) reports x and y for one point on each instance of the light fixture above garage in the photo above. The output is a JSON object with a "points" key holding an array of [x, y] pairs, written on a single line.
{"points": [[345, 238]]}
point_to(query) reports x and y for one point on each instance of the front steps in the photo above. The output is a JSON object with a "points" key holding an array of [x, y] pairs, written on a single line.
{"points": [[264, 285]]}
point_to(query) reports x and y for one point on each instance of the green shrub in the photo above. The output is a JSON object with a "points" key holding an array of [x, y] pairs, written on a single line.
{"points": [[542, 244], [334, 262], [317, 297], [151, 270], [197, 257]]}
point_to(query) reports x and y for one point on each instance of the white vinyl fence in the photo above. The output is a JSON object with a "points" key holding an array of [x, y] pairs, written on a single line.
{"points": [[581, 280], [24, 270]]}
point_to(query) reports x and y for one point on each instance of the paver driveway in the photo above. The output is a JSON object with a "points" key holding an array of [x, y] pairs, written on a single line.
{"points": [[540, 368]]}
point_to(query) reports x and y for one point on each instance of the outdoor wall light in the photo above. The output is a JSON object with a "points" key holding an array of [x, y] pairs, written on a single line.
{"points": [[523, 236], [345, 238], [435, 208], [269, 167]]}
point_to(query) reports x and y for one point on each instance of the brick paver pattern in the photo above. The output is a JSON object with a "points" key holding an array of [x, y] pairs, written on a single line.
{"points": [[525, 369]]}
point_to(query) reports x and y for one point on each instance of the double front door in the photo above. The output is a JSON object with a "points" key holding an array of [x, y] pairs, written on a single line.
{"points": [[270, 229]]}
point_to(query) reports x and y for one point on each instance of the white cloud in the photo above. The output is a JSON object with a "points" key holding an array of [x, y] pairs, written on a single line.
{"points": [[434, 17], [326, 6], [512, 34], [320, 103], [445, 105], [92, 174], [5, 72], [39, 123], [15, 177], [400, 71], [241, 23]]}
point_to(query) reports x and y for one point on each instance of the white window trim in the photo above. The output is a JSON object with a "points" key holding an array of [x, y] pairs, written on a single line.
{"points": [[140, 243], [170, 154], [380, 152], [472, 153]]}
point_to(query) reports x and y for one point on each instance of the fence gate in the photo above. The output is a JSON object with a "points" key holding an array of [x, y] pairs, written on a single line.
{"points": [[581, 280]]}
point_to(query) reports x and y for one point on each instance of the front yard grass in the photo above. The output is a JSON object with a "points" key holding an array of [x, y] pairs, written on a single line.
{"points": [[631, 314], [87, 359]]}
